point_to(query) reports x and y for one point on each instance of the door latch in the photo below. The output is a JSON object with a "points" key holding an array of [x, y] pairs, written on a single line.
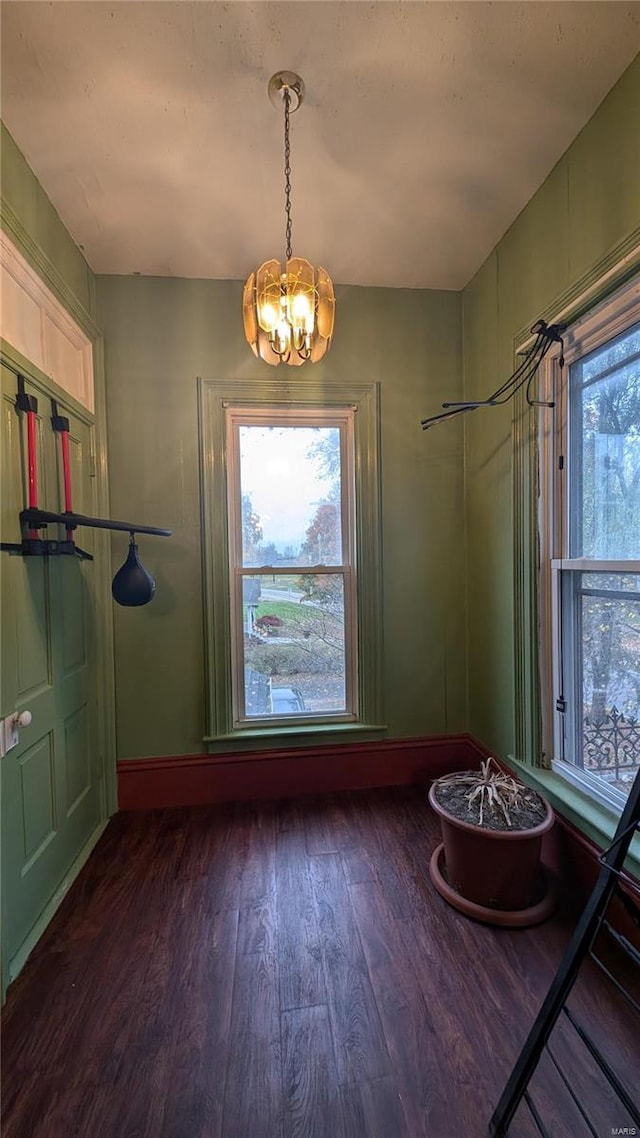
{"points": [[10, 730]]}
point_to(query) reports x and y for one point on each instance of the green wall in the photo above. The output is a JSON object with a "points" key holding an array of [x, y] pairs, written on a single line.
{"points": [[162, 333], [25, 202], [447, 508], [589, 203]]}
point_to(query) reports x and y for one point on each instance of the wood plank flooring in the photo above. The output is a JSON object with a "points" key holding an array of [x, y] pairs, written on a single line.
{"points": [[286, 970]]}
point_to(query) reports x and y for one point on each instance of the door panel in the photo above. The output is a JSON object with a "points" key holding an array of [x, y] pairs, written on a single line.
{"points": [[52, 794], [31, 628], [73, 630], [78, 749], [37, 799]]}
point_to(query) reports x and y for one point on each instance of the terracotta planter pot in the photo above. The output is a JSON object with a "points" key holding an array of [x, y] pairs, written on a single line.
{"points": [[494, 869]]}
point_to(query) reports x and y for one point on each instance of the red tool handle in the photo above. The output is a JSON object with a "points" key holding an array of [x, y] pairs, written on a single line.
{"points": [[29, 404]]}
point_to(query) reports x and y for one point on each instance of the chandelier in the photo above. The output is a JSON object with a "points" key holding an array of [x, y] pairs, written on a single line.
{"points": [[288, 311]]}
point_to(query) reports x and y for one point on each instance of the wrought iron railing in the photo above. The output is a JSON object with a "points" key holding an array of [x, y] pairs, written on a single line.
{"points": [[611, 747]]}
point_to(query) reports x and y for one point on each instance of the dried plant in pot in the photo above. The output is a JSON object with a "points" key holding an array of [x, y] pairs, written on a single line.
{"points": [[488, 865]]}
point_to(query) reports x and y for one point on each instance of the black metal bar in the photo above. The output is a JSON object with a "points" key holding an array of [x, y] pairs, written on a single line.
{"points": [[472, 404], [619, 837], [426, 423], [535, 1116], [607, 1070], [616, 983], [58, 422], [526, 1063], [40, 518], [38, 547], [24, 402], [622, 875], [623, 943], [629, 905], [571, 1091]]}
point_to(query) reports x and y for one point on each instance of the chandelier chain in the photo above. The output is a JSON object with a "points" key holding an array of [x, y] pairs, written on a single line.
{"points": [[288, 309], [287, 170]]}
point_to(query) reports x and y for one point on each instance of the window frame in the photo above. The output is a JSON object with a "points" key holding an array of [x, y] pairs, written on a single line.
{"points": [[215, 397], [559, 573], [311, 416]]}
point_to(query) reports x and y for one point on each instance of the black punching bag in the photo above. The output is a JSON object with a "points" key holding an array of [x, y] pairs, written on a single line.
{"points": [[132, 585]]}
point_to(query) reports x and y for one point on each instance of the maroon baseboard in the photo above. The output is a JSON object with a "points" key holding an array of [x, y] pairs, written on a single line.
{"points": [[193, 780]]}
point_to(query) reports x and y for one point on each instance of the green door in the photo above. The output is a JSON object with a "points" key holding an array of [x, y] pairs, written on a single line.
{"points": [[52, 794]]}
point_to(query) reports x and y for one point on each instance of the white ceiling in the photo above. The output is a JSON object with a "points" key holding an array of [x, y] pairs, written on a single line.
{"points": [[426, 128]]}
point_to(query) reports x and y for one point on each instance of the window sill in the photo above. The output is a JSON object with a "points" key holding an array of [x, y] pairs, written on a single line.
{"points": [[305, 735], [593, 819]]}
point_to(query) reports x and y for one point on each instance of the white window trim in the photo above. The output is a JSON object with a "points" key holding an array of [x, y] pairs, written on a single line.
{"points": [[607, 320], [274, 416], [214, 396], [590, 784]]}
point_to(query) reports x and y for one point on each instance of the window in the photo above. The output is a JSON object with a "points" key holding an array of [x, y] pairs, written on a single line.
{"points": [[292, 563], [292, 558], [590, 541]]}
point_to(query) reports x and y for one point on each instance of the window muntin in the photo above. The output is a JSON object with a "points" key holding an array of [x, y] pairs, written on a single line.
{"points": [[591, 519], [292, 565]]}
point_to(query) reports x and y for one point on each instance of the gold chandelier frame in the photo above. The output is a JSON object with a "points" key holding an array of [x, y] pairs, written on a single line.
{"points": [[288, 309]]}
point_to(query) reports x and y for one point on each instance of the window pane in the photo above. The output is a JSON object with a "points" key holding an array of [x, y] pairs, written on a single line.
{"points": [[290, 481], [605, 423], [294, 644], [608, 729]]}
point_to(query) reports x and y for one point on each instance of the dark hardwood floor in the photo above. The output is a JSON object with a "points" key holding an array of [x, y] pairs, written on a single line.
{"points": [[286, 970]]}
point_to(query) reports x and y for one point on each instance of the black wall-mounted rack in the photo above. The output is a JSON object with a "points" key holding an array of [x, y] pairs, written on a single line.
{"points": [[34, 519], [38, 518], [546, 336]]}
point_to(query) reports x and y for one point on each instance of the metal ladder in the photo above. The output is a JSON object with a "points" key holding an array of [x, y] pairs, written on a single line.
{"points": [[593, 919]]}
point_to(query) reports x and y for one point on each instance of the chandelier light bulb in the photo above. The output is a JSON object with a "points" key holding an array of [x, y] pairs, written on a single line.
{"points": [[288, 310], [269, 318]]}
